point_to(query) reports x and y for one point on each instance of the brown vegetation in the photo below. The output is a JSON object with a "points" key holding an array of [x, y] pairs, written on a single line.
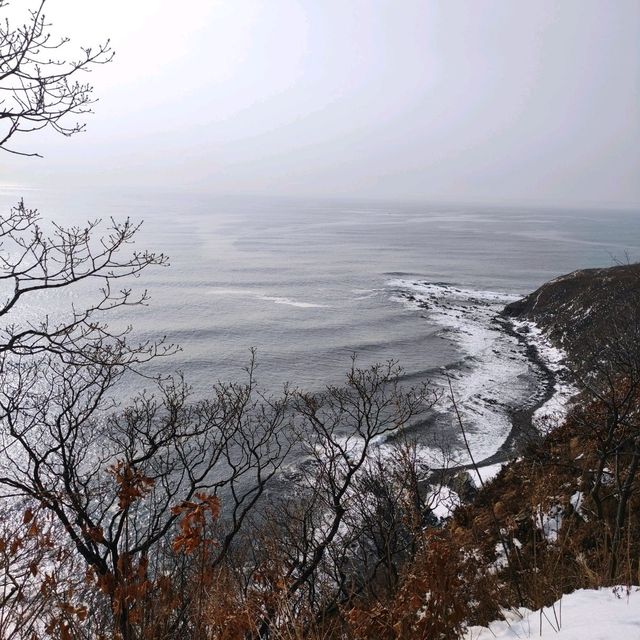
{"points": [[350, 552], [157, 519]]}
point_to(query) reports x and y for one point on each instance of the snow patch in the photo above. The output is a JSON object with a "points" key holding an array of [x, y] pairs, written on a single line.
{"points": [[586, 614], [551, 522], [556, 408], [443, 501], [576, 501], [487, 473]]}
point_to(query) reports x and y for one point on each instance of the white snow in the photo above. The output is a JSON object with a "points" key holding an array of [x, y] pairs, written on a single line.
{"points": [[487, 473], [551, 522], [501, 561], [556, 408], [576, 501], [586, 614], [443, 501]]}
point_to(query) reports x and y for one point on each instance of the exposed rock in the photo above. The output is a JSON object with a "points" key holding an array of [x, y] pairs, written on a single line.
{"points": [[578, 309]]}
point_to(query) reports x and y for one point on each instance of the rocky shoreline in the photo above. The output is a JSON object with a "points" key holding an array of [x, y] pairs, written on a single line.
{"points": [[523, 429], [462, 479], [571, 312]]}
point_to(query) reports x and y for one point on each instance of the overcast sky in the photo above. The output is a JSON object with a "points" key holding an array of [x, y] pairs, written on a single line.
{"points": [[528, 101]]}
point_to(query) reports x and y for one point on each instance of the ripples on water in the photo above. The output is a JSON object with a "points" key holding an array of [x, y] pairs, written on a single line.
{"points": [[310, 282]]}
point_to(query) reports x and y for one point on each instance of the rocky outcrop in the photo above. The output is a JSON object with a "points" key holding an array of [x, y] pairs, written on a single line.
{"points": [[581, 310]]}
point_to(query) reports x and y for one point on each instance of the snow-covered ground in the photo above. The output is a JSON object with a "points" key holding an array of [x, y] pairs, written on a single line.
{"points": [[555, 409], [487, 473], [586, 614]]}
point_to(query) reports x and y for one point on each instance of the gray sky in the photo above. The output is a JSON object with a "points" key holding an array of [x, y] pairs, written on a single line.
{"points": [[531, 101]]}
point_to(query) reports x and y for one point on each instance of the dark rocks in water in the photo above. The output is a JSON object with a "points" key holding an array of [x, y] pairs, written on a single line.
{"points": [[421, 303], [580, 310]]}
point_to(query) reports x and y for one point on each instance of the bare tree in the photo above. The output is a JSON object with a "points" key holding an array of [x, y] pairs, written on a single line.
{"points": [[34, 263], [39, 83], [125, 493], [58, 367], [118, 483], [319, 532], [610, 383]]}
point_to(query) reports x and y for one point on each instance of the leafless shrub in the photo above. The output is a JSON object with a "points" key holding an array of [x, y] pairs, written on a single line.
{"points": [[39, 83]]}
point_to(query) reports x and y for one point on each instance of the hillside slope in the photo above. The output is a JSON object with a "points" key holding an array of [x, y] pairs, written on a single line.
{"points": [[578, 311]]}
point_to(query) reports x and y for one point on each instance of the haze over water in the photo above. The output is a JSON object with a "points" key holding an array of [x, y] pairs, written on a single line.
{"points": [[310, 283], [307, 282]]}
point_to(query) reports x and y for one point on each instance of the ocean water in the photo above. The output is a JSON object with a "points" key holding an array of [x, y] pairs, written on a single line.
{"points": [[311, 282]]}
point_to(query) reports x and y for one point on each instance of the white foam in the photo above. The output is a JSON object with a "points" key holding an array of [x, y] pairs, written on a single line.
{"points": [[496, 374], [229, 291], [251, 293], [292, 303], [364, 294]]}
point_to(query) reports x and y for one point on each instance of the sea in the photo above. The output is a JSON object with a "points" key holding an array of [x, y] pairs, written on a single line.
{"points": [[311, 283]]}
